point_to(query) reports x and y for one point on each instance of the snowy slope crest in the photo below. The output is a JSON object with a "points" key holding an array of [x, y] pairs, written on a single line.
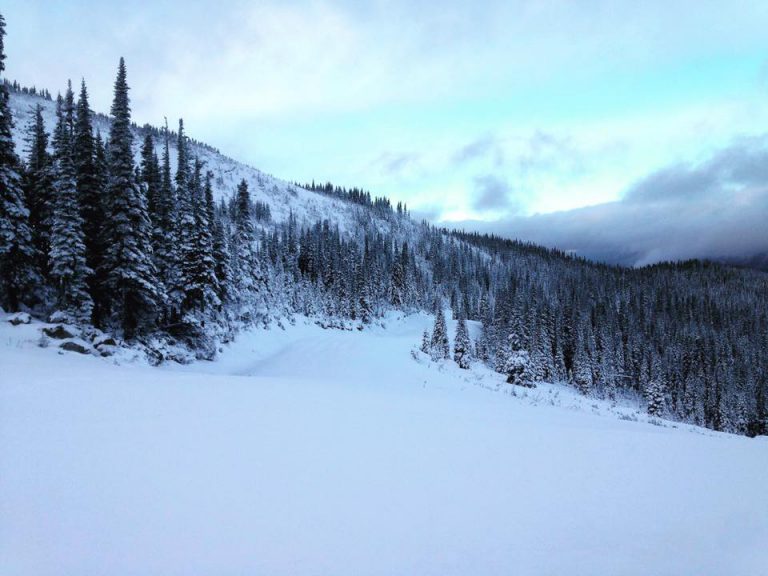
{"points": [[282, 197]]}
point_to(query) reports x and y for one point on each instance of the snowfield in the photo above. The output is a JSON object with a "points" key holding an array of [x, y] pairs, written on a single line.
{"points": [[314, 452]]}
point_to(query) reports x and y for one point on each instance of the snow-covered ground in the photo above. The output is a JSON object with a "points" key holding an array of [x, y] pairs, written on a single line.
{"points": [[309, 451]]}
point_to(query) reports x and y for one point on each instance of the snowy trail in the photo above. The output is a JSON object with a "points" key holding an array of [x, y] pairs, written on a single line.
{"points": [[319, 462]]}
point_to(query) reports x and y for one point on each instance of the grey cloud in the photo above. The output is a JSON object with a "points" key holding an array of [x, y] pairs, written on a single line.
{"points": [[539, 151], [492, 193], [742, 164], [544, 151], [481, 148], [717, 209], [428, 213], [673, 183], [392, 164]]}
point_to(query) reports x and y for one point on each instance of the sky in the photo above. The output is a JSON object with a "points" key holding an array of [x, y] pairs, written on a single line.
{"points": [[622, 130]]}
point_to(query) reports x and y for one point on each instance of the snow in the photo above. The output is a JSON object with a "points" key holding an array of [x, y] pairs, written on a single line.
{"points": [[311, 451]]}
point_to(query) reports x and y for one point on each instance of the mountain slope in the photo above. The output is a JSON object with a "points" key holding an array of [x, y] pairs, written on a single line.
{"points": [[282, 197]]}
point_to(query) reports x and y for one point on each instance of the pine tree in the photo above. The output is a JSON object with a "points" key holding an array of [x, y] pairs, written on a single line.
{"points": [[243, 259], [19, 279], [582, 372], [165, 232], [150, 176], [462, 347], [68, 269], [204, 219], [128, 263], [69, 109], [425, 342], [98, 233], [758, 424], [38, 187], [397, 283], [197, 249], [518, 369], [654, 395], [439, 345], [223, 270]]}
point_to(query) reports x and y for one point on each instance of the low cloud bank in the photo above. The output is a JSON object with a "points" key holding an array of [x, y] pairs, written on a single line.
{"points": [[716, 209]]}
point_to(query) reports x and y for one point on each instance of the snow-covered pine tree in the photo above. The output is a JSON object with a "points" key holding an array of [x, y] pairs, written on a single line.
{"points": [[409, 293], [502, 348], [19, 279], [582, 372], [654, 395], [150, 176], [518, 369], [38, 187], [243, 260], [68, 269], [425, 342], [90, 184], [221, 256], [758, 423], [202, 285], [164, 230], [517, 364], [396, 285], [69, 108], [190, 293], [208, 240], [462, 346], [484, 343], [100, 235], [136, 294], [439, 345]]}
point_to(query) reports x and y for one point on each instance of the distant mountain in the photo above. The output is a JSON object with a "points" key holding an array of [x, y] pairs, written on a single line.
{"points": [[756, 262]]}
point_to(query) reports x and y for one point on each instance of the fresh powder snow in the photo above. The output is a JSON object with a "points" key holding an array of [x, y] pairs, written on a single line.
{"points": [[311, 451]]}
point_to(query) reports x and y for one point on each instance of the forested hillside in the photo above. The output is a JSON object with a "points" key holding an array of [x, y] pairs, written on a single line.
{"points": [[162, 242]]}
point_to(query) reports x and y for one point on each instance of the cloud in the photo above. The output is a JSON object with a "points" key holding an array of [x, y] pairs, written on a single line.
{"points": [[394, 164], [742, 165], [428, 213], [545, 151], [487, 145], [492, 193], [715, 209]]}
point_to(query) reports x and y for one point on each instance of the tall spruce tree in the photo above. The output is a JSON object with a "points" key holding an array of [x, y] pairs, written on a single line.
{"points": [[205, 220], [69, 108], [128, 264], [90, 186], [164, 228], [221, 258], [19, 279], [243, 260], [150, 176], [190, 292], [199, 267], [68, 269], [38, 187], [152, 179]]}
